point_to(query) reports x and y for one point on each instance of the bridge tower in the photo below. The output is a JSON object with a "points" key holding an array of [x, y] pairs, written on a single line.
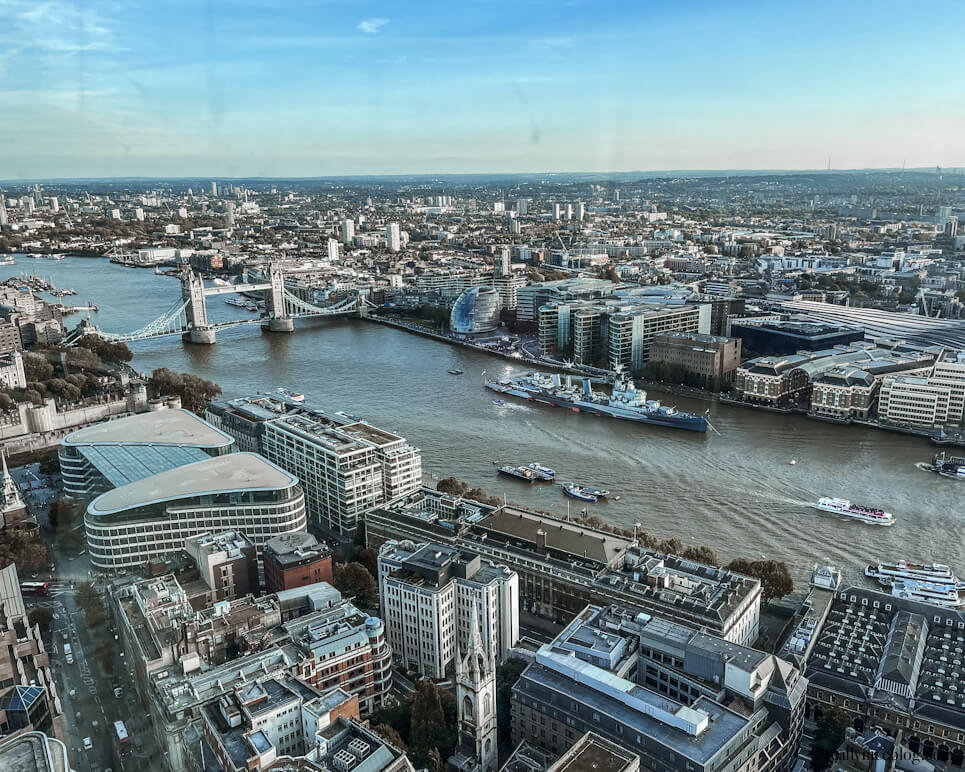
{"points": [[192, 290], [278, 318]]}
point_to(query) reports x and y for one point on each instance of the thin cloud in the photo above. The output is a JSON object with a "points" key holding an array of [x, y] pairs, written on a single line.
{"points": [[372, 26]]}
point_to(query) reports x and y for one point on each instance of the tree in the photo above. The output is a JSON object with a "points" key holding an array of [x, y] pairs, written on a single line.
{"points": [[41, 616], [195, 393], [354, 579], [23, 547], [106, 350], [828, 737], [391, 736], [90, 603], [434, 761], [429, 727], [83, 359], [774, 575], [6, 401], [700, 555], [452, 486], [36, 367], [370, 559], [507, 675]]}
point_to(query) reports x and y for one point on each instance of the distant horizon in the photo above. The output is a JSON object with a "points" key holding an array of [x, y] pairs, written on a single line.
{"points": [[97, 89], [950, 171]]}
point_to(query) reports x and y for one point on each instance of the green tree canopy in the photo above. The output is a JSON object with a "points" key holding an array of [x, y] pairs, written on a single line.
{"points": [[774, 575], [195, 393], [828, 737], [354, 579]]}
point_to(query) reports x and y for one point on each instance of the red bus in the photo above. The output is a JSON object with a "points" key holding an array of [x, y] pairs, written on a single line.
{"points": [[35, 588]]}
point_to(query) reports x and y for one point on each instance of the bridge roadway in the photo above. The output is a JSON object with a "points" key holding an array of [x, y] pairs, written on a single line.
{"points": [[236, 288]]}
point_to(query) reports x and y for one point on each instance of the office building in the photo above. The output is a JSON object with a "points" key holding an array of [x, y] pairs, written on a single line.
{"points": [[295, 560], [107, 455], [533, 296], [707, 360], [678, 698], [348, 231], [631, 333], [564, 565], [508, 287], [896, 664], [145, 520], [433, 596], [475, 311], [393, 238], [345, 466], [926, 400], [780, 338], [839, 383]]}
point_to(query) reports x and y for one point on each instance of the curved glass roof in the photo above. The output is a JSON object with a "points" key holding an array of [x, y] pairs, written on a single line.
{"points": [[172, 426]]}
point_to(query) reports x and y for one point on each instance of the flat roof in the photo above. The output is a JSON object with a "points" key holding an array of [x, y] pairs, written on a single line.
{"points": [[221, 474], [592, 752], [572, 538], [172, 426]]}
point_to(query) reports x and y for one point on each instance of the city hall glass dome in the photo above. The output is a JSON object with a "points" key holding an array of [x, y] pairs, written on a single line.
{"points": [[476, 310]]}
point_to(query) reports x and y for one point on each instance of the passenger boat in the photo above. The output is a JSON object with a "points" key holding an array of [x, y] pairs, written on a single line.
{"points": [[519, 472], [950, 466], [936, 593], [577, 492], [600, 493], [544, 473], [498, 402], [845, 508], [889, 573], [455, 372], [236, 302]]}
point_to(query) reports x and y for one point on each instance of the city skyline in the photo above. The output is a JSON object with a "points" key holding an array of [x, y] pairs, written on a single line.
{"points": [[117, 90]]}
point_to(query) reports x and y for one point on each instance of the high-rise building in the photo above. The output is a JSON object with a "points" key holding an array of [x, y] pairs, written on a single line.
{"points": [[433, 597], [345, 466], [557, 211], [183, 212], [214, 189], [230, 214], [3, 211], [348, 231], [54, 204], [522, 207], [115, 214], [951, 227], [569, 211], [580, 211], [501, 263], [333, 251], [139, 214], [393, 238]]}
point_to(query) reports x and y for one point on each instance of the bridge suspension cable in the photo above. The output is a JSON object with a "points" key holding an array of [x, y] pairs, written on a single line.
{"points": [[171, 322]]}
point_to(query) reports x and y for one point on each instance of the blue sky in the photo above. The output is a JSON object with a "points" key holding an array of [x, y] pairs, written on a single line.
{"points": [[195, 88]]}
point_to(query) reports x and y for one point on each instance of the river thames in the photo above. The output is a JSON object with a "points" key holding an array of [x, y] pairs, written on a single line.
{"points": [[733, 490]]}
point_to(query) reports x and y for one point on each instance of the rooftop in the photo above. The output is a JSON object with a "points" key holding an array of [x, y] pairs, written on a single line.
{"points": [[164, 427], [221, 474]]}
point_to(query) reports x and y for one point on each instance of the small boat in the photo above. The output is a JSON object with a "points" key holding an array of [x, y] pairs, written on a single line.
{"points": [[600, 493], [498, 402], [294, 396], [455, 372], [576, 492], [544, 473], [237, 302], [253, 307], [792, 462]]}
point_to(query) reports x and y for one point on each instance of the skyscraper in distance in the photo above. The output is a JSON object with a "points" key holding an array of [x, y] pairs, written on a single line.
{"points": [[393, 237]]}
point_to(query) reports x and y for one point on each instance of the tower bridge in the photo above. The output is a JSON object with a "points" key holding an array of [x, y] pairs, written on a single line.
{"points": [[188, 315]]}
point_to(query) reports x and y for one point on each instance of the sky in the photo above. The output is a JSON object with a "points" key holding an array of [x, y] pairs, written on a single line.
{"points": [[110, 88]]}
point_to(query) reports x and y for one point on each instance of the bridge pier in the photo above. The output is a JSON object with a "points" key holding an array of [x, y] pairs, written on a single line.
{"points": [[279, 325], [202, 336]]}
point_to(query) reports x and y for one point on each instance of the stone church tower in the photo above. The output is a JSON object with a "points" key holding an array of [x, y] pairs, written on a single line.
{"points": [[476, 703]]}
